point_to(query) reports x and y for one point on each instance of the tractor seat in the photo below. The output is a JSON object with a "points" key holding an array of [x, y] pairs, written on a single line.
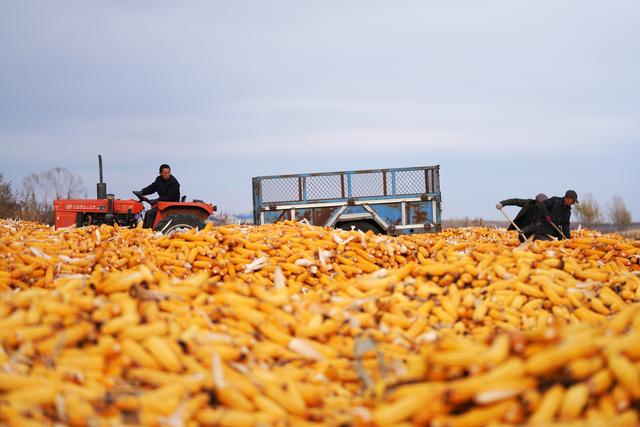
{"points": [[184, 198]]}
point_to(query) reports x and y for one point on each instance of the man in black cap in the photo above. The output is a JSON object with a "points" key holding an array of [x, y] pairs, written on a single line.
{"points": [[168, 189], [528, 218], [557, 211]]}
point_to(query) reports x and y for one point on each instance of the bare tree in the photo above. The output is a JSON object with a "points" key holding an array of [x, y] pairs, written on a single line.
{"points": [[56, 183], [8, 200], [39, 190], [618, 212], [31, 209], [589, 210]]}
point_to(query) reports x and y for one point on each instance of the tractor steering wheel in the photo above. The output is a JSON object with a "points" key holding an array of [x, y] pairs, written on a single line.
{"points": [[141, 198]]}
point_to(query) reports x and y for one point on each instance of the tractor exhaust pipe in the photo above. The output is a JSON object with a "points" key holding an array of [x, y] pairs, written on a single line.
{"points": [[102, 186]]}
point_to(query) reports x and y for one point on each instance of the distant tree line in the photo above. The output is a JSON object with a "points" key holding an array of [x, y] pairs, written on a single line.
{"points": [[590, 213], [34, 200]]}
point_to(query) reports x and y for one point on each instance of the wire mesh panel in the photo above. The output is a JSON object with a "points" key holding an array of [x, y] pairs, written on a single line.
{"points": [[324, 187], [367, 184], [335, 185], [280, 190], [410, 182]]}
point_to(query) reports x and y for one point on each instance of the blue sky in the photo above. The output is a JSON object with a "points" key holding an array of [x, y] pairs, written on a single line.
{"points": [[509, 98]]}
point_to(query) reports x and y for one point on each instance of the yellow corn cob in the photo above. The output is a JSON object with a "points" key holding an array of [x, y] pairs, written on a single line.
{"points": [[474, 320], [574, 401], [626, 373]]}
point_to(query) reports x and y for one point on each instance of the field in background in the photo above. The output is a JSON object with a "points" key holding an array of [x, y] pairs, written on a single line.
{"points": [[631, 234], [632, 231]]}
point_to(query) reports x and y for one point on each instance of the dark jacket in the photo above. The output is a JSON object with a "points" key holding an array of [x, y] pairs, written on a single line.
{"points": [[168, 190], [529, 214], [560, 215]]}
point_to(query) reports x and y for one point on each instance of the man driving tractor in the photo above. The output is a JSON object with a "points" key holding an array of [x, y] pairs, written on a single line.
{"points": [[168, 189]]}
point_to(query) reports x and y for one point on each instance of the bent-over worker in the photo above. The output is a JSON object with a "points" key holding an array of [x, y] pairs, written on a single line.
{"points": [[557, 211], [528, 218]]}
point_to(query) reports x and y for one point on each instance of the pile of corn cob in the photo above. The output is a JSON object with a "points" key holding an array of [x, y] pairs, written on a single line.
{"points": [[290, 324]]}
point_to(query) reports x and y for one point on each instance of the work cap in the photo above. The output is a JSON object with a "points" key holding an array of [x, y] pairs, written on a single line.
{"points": [[541, 197], [572, 194]]}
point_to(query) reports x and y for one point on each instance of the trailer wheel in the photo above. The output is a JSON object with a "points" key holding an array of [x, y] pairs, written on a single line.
{"points": [[364, 226], [178, 223]]}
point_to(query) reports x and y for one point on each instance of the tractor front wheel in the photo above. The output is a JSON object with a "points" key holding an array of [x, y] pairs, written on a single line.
{"points": [[178, 223]]}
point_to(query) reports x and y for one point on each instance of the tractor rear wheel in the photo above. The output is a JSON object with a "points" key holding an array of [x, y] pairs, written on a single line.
{"points": [[178, 223]]}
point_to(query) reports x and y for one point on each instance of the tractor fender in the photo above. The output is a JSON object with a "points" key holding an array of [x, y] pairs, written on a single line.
{"points": [[198, 210]]}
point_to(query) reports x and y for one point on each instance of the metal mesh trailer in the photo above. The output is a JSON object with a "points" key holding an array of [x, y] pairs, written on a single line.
{"points": [[392, 201]]}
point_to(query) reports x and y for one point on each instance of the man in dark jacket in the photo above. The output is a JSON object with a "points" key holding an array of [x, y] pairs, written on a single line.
{"points": [[557, 210], [168, 189], [528, 218]]}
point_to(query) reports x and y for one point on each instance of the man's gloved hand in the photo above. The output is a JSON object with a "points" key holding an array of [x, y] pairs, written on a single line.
{"points": [[499, 206], [137, 193], [547, 218]]}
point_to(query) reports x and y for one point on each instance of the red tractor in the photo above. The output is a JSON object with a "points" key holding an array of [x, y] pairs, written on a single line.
{"points": [[106, 209]]}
